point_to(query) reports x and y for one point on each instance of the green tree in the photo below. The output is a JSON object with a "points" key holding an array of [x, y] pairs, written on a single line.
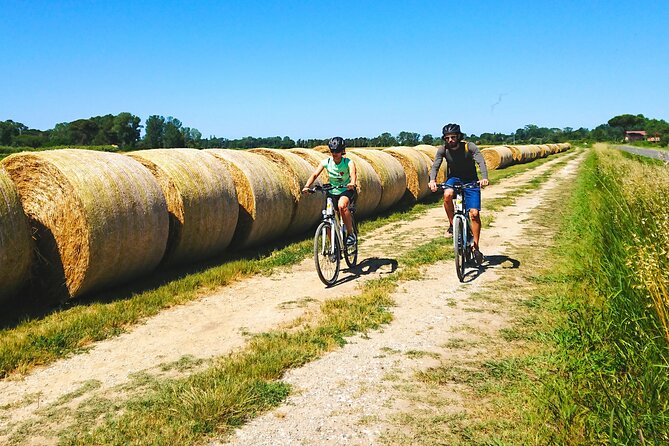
{"points": [[384, 140], [172, 136], [126, 127], [628, 122], [408, 139], [428, 139], [155, 129]]}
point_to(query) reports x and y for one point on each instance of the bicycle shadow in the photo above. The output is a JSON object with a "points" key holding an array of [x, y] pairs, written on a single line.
{"points": [[493, 261], [368, 266]]}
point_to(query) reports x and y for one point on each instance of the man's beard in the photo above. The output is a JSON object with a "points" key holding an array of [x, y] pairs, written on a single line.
{"points": [[452, 145]]}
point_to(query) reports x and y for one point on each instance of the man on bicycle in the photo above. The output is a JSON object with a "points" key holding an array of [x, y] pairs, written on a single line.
{"points": [[460, 157], [343, 178]]}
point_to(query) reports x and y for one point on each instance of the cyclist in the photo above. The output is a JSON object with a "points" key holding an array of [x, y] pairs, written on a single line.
{"points": [[343, 178], [461, 157]]}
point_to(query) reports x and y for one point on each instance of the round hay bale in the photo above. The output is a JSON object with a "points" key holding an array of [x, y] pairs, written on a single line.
{"points": [[553, 149], [417, 169], [306, 207], [431, 152], [544, 150], [314, 159], [16, 245], [99, 218], [497, 157], [322, 149], [263, 193], [369, 187], [201, 201], [528, 153], [390, 172], [516, 153]]}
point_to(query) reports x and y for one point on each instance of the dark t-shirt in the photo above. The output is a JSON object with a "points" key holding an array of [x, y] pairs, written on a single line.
{"points": [[460, 162]]}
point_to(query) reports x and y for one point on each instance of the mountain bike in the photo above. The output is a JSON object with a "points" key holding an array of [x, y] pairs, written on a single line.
{"points": [[330, 239], [463, 237]]}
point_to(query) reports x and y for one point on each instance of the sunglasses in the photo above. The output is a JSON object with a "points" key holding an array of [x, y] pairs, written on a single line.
{"points": [[450, 137]]}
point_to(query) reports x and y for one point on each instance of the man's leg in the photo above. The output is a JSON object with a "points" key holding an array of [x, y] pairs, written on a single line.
{"points": [[448, 205], [475, 217]]}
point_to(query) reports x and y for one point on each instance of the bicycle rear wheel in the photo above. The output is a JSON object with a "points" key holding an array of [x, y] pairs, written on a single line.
{"points": [[326, 254], [459, 248], [351, 251]]}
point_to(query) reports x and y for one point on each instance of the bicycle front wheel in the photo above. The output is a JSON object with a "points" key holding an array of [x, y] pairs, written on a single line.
{"points": [[351, 251], [326, 254], [459, 248]]}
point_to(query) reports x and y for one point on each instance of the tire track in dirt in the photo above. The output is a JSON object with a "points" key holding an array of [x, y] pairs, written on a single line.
{"points": [[220, 323]]}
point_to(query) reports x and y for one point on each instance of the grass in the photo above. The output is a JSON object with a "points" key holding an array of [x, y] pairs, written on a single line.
{"points": [[39, 339], [242, 385]]}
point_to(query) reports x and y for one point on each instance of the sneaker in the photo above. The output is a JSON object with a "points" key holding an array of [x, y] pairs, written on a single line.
{"points": [[351, 239], [479, 258], [449, 232]]}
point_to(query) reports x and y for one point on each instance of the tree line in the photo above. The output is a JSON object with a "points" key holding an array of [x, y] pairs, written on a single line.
{"points": [[123, 131]]}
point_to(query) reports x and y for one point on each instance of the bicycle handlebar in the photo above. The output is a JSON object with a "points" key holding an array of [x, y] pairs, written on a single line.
{"points": [[323, 188], [472, 185]]}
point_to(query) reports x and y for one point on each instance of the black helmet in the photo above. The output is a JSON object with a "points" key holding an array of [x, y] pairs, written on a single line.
{"points": [[451, 128], [337, 144]]}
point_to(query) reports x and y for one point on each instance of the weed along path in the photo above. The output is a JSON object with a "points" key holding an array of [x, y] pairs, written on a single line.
{"points": [[347, 396]]}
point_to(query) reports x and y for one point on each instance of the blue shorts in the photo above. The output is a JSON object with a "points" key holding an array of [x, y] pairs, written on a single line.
{"points": [[472, 195]]}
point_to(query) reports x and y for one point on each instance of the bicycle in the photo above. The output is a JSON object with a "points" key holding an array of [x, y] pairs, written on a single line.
{"points": [[463, 237], [330, 239]]}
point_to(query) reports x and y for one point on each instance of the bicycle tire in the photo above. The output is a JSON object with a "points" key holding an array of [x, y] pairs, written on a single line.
{"points": [[351, 252], [459, 248], [326, 254]]}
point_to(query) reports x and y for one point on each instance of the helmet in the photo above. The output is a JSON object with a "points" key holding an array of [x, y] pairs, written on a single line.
{"points": [[337, 144], [452, 128]]}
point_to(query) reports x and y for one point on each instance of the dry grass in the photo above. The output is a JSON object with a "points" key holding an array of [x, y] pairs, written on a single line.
{"points": [[16, 246], [99, 218]]}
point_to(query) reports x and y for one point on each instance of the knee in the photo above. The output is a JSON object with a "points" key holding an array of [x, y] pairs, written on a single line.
{"points": [[474, 214], [448, 195]]}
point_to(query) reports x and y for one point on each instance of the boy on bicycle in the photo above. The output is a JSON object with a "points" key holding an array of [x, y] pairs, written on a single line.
{"points": [[460, 156], [343, 178]]}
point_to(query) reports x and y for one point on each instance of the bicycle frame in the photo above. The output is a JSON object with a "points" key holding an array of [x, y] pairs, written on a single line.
{"points": [[331, 214]]}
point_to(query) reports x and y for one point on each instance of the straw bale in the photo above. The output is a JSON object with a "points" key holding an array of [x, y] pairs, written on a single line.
{"points": [[16, 245], [553, 149], [369, 186], [306, 207], [497, 157], [314, 159], [99, 218], [417, 169], [263, 193], [431, 152], [322, 149], [528, 153], [201, 201], [390, 172], [517, 154], [544, 150]]}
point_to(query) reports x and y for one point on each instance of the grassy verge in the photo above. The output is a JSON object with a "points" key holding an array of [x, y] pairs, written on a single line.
{"points": [[42, 340], [238, 387]]}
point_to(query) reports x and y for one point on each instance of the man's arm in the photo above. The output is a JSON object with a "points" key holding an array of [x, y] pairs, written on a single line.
{"points": [[478, 157]]}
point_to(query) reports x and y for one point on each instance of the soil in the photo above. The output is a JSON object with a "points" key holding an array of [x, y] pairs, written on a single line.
{"points": [[347, 396]]}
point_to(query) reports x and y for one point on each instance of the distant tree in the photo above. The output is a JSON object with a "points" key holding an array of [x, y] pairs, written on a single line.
{"points": [[384, 140], [427, 139], [82, 131], [126, 126], [172, 136], [408, 139], [155, 129], [9, 130], [628, 122]]}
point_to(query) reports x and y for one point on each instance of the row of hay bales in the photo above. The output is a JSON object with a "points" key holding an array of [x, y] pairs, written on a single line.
{"points": [[498, 157], [78, 221]]}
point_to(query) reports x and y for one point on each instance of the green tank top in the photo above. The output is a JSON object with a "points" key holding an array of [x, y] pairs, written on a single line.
{"points": [[340, 175]]}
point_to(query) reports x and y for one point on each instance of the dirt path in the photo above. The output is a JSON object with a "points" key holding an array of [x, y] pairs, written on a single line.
{"points": [[325, 411]]}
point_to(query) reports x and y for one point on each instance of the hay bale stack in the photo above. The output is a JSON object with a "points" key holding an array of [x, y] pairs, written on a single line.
{"points": [[528, 153], [314, 159], [390, 172], [201, 201], [563, 146], [516, 153], [553, 149], [369, 187], [544, 150], [322, 149], [497, 157], [431, 152], [417, 169], [99, 218], [16, 245], [306, 207], [263, 193]]}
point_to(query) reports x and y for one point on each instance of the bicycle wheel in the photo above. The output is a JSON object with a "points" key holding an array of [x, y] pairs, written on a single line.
{"points": [[351, 251], [326, 254], [459, 248]]}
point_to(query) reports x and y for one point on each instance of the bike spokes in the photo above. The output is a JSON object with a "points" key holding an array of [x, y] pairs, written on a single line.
{"points": [[326, 254]]}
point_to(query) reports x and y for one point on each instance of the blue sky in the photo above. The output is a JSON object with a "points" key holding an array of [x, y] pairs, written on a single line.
{"points": [[313, 69]]}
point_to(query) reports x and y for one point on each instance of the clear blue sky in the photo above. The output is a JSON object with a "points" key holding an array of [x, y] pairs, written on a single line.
{"points": [[313, 69]]}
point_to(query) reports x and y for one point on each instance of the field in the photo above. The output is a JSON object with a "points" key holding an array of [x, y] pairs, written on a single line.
{"points": [[560, 339]]}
